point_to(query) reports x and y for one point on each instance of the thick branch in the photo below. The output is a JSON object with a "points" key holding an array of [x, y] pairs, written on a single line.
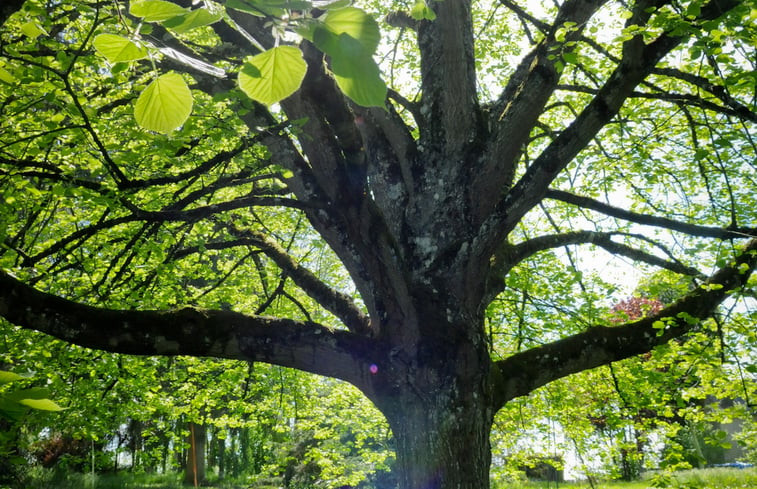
{"points": [[224, 334], [448, 79], [330, 137], [521, 102], [531, 369]]}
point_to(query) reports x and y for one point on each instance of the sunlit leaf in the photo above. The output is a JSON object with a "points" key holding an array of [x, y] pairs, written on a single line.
{"points": [[165, 104], [156, 10], [194, 19], [6, 76], [41, 404], [273, 8], [357, 75], [332, 5], [245, 6], [421, 11], [6, 376], [31, 393], [32, 30], [356, 24], [273, 75], [118, 48], [570, 58]]}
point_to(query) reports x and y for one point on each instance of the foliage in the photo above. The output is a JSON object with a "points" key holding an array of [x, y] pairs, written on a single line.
{"points": [[15, 406], [621, 414], [14, 403], [236, 180]]}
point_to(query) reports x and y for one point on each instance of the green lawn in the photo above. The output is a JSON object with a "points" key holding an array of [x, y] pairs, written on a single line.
{"points": [[718, 478], [721, 478]]}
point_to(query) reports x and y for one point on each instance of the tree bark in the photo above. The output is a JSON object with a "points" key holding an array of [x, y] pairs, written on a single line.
{"points": [[442, 445], [195, 471], [439, 400]]}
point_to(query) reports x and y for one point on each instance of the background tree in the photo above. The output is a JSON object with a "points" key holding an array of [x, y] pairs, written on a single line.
{"points": [[475, 176], [658, 410]]}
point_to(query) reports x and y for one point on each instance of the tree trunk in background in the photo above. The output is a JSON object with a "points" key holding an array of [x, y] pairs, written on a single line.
{"points": [[164, 453], [217, 452], [134, 431], [195, 471], [234, 448]]}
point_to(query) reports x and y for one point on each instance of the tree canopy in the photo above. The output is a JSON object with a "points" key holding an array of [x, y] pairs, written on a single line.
{"points": [[423, 199]]}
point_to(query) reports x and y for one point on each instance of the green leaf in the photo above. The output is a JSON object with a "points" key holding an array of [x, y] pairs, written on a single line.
{"points": [[165, 104], [336, 5], [6, 377], [356, 24], [273, 75], [41, 404], [156, 10], [11, 410], [421, 11], [570, 58], [118, 48], [245, 6], [288, 4], [194, 19], [32, 393], [272, 8], [710, 287], [7, 77], [357, 75], [694, 10], [33, 30]]}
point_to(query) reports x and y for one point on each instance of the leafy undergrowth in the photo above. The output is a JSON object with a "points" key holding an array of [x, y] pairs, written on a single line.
{"points": [[719, 478]]}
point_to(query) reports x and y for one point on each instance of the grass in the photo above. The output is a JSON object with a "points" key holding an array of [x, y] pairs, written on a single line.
{"points": [[47, 479], [721, 478]]}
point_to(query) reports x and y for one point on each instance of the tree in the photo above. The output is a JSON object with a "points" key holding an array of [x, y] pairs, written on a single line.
{"points": [[438, 197]]}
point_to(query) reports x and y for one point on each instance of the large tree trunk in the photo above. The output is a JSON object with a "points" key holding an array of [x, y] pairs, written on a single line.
{"points": [[442, 412], [442, 445]]}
